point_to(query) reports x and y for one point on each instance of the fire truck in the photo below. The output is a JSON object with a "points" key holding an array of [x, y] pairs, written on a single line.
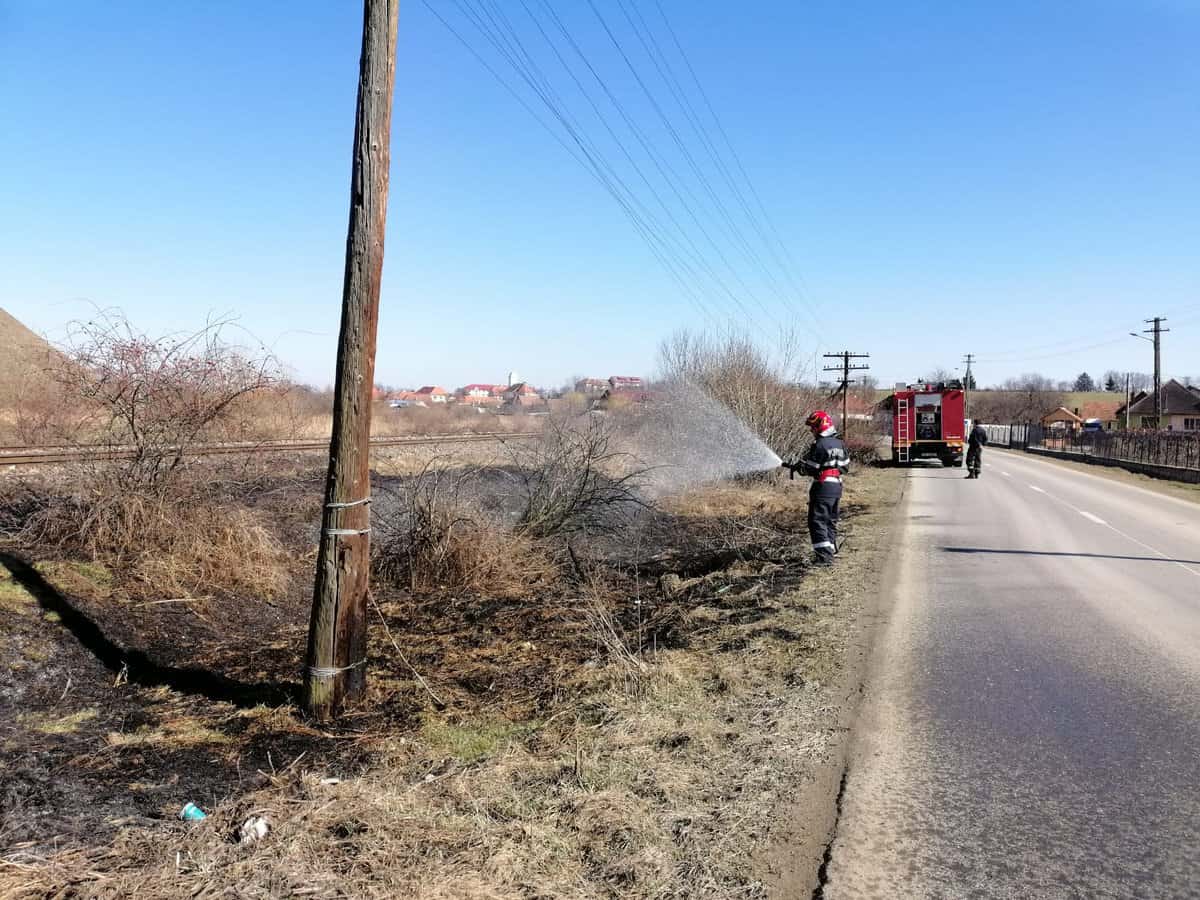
{"points": [[928, 422]]}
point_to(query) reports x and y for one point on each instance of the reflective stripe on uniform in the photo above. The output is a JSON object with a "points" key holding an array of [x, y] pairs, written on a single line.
{"points": [[824, 545]]}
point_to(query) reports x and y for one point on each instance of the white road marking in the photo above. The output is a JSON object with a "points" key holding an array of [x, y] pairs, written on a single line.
{"points": [[1036, 488], [1006, 474], [1132, 539], [1092, 518]]}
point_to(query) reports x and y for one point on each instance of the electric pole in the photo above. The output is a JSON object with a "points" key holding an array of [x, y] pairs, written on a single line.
{"points": [[968, 359], [1158, 331], [335, 668], [845, 368], [1128, 398]]}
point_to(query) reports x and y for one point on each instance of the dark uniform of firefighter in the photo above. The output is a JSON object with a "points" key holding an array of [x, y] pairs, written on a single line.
{"points": [[975, 443], [826, 461]]}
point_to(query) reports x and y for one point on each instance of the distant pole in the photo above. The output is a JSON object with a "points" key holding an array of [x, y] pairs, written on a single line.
{"points": [[335, 670], [845, 356], [1158, 332], [968, 359], [1128, 399]]}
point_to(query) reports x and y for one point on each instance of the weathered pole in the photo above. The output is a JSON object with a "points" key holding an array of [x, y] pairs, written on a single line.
{"points": [[335, 670]]}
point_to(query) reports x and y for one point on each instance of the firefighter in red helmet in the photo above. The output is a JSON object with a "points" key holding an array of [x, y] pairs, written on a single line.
{"points": [[826, 461]]}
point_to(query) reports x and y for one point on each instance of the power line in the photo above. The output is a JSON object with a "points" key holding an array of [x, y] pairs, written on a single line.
{"points": [[669, 240]]}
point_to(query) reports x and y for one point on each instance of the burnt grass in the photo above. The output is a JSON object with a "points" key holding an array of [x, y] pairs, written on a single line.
{"points": [[117, 711]]}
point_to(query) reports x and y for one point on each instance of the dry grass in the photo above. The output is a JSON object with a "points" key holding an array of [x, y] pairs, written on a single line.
{"points": [[661, 785], [175, 544], [437, 539]]}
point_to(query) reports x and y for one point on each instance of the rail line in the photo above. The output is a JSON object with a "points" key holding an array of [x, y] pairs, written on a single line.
{"points": [[32, 456]]}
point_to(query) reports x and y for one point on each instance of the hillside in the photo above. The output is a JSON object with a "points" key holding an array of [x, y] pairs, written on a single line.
{"points": [[21, 346], [23, 363]]}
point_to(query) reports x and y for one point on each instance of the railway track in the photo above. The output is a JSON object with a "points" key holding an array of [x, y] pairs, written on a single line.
{"points": [[32, 456]]}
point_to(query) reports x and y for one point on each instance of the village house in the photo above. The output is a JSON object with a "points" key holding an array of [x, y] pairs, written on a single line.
{"points": [[625, 383], [521, 394], [1061, 419], [1180, 408], [591, 386], [431, 394]]}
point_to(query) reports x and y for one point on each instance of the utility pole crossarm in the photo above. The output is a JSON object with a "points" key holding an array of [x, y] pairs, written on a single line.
{"points": [[846, 368]]}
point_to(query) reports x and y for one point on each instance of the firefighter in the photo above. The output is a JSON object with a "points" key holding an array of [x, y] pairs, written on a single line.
{"points": [[826, 461], [975, 443]]}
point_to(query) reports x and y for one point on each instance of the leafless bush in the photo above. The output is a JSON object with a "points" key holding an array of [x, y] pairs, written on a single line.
{"points": [[157, 398], [575, 477], [145, 505], [436, 537], [763, 390], [863, 449]]}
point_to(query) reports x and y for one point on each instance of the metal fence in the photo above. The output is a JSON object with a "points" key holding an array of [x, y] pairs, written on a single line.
{"points": [[1152, 448], [1008, 435]]}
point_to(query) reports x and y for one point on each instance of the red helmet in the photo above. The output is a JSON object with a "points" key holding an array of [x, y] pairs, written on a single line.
{"points": [[819, 421]]}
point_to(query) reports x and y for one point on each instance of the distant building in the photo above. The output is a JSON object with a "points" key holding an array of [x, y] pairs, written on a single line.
{"points": [[433, 394], [613, 398], [476, 390], [591, 386], [1180, 408], [625, 383], [403, 399], [521, 394], [1061, 419]]}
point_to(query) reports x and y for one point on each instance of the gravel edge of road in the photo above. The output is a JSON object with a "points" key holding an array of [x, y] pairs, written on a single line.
{"points": [[806, 826]]}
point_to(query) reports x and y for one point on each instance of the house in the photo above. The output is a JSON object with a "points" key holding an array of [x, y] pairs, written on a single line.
{"points": [[469, 391], [591, 386], [625, 383], [613, 399], [1180, 408], [1102, 411], [1062, 419], [521, 394], [433, 394], [404, 399]]}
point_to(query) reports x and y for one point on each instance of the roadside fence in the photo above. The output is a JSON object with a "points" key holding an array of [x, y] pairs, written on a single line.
{"points": [[1161, 451]]}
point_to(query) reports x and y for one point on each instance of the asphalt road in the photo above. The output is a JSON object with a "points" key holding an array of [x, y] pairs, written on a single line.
{"points": [[1031, 720]]}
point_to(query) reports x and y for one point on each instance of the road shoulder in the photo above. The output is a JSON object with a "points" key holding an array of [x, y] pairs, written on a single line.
{"points": [[805, 824]]}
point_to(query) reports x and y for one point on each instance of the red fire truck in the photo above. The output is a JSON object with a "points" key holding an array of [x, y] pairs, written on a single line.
{"points": [[928, 421]]}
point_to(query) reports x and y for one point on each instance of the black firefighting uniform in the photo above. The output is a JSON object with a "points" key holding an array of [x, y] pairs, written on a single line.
{"points": [[975, 443], [826, 461]]}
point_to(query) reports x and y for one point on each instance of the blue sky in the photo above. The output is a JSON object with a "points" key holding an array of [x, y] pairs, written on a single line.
{"points": [[1017, 180]]}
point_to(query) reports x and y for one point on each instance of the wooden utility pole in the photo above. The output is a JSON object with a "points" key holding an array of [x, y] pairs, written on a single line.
{"points": [[1158, 332], [845, 368], [335, 670], [1128, 399], [967, 386]]}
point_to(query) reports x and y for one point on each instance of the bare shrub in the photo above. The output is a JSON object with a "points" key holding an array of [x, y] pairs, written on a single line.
{"points": [[157, 398], [764, 390], [575, 477], [145, 504], [436, 537], [863, 449]]}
